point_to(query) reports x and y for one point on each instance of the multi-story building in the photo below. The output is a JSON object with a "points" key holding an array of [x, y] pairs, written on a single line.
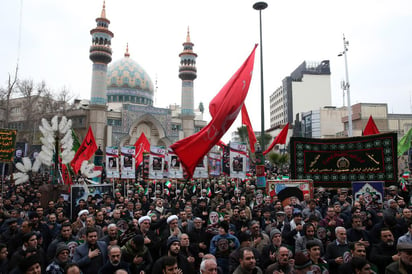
{"points": [[308, 87]]}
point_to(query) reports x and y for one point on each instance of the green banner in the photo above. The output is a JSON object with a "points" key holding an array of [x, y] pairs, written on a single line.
{"points": [[7, 144]]}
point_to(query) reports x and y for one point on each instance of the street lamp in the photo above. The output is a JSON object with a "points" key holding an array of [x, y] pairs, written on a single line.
{"points": [[260, 159], [261, 6], [345, 84]]}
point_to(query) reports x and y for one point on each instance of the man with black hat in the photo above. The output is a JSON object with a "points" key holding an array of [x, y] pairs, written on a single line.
{"points": [[404, 264], [61, 259], [137, 254], [303, 264], [268, 254], [173, 249]]}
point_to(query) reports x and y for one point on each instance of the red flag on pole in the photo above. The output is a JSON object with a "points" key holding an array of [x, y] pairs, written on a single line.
{"points": [[85, 151], [142, 145], [250, 132], [224, 109], [370, 127], [280, 139]]}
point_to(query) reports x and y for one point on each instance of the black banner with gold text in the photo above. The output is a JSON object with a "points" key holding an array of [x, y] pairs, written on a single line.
{"points": [[343, 160]]}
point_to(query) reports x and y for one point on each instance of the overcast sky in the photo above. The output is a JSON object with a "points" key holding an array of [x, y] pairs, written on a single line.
{"points": [[55, 39]]}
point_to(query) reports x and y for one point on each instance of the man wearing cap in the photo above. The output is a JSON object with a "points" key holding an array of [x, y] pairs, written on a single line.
{"points": [[404, 264], [393, 192], [303, 264], [269, 251], [137, 254], [60, 261], [173, 249]]}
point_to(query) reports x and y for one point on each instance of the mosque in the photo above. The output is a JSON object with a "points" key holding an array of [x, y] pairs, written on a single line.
{"points": [[122, 96]]}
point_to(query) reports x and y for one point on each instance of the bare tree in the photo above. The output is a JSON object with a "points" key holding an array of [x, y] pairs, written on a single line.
{"points": [[5, 95]]}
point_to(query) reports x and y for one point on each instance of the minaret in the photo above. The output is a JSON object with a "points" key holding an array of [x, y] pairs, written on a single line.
{"points": [[187, 72], [101, 55]]}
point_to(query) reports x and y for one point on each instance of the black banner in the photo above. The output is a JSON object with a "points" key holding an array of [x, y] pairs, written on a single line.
{"points": [[366, 158]]}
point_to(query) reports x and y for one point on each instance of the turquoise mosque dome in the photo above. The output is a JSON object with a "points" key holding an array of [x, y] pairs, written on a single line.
{"points": [[127, 81]]}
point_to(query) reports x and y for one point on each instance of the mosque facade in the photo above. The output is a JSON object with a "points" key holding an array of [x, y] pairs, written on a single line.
{"points": [[122, 96]]}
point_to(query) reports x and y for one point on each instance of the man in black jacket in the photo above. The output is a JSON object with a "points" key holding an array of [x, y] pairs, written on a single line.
{"points": [[337, 252], [385, 252]]}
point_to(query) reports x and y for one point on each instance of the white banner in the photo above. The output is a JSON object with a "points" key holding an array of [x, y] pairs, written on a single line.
{"points": [[128, 162], [112, 162]]}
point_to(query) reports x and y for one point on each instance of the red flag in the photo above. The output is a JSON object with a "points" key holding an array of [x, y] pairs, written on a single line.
{"points": [[370, 127], [224, 109], [142, 145], [280, 139], [67, 179], [250, 132], [85, 151]]}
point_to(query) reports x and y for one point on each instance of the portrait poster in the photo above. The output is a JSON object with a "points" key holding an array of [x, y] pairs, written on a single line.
{"points": [[81, 191], [112, 162], [128, 162], [214, 163], [238, 158], [174, 166], [201, 170], [287, 188], [372, 192], [156, 162]]}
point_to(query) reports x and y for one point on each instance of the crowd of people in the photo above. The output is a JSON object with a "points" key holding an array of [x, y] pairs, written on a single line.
{"points": [[234, 228]]}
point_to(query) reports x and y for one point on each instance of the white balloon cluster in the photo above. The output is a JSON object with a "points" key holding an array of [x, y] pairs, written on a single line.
{"points": [[52, 133]]}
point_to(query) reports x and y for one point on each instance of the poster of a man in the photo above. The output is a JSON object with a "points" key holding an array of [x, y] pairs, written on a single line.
{"points": [[127, 161], [157, 163], [174, 162], [112, 163], [237, 163]]}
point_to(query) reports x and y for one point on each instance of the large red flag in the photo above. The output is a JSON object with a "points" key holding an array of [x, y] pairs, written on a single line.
{"points": [[250, 132], [224, 109], [142, 145], [280, 139], [370, 127], [85, 151]]}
